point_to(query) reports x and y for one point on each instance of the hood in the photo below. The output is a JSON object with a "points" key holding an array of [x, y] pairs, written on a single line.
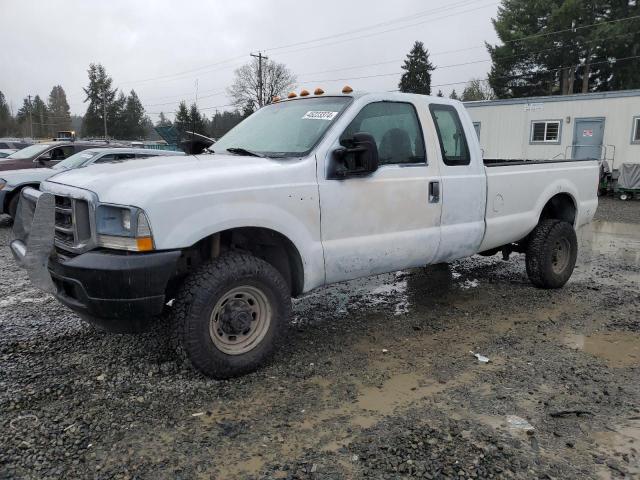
{"points": [[139, 182], [27, 175]]}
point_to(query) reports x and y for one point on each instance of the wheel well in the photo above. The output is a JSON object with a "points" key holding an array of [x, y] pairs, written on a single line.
{"points": [[560, 207], [269, 245]]}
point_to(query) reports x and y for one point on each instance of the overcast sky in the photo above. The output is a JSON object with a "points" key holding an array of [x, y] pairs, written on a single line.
{"points": [[160, 47]]}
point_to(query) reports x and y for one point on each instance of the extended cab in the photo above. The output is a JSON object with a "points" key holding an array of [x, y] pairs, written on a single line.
{"points": [[305, 192]]}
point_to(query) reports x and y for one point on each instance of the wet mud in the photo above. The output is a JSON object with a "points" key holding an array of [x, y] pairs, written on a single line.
{"points": [[376, 380]]}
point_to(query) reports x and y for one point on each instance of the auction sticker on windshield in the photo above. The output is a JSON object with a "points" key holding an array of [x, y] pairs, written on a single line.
{"points": [[319, 115]]}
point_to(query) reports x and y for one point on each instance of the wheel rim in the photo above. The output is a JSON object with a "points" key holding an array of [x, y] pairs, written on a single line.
{"points": [[561, 255], [240, 320]]}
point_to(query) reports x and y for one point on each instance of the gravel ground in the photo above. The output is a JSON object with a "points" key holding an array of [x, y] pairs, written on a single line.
{"points": [[614, 210], [376, 380]]}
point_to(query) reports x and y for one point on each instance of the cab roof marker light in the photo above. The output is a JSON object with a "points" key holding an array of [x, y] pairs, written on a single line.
{"points": [[292, 95], [318, 91], [275, 99], [347, 89], [304, 93]]}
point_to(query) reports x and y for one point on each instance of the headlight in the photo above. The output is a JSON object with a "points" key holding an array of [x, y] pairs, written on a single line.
{"points": [[123, 228]]}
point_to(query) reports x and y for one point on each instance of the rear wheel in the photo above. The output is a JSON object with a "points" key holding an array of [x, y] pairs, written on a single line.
{"points": [[231, 314], [624, 196], [551, 254]]}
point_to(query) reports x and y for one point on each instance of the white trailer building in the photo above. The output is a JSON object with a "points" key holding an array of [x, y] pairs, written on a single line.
{"points": [[603, 125]]}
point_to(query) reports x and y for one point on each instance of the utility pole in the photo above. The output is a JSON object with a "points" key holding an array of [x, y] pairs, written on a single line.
{"points": [[259, 56], [30, 116], [104, 112]]}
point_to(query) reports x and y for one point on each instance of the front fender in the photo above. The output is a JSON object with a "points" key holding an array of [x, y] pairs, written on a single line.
{"points": [[298, 220]]}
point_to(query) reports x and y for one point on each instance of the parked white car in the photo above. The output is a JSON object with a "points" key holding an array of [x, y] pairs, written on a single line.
{"points": [[13, 181], [303, 193]]}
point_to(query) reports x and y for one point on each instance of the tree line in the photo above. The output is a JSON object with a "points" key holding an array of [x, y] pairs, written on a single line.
{"points": [[35, 117], [547, 47]]}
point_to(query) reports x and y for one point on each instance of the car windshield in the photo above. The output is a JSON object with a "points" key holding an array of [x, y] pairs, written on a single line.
{"points": [[287, 129], [29, 152], [77, 160]]}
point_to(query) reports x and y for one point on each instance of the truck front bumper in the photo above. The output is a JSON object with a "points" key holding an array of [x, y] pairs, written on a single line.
{"points": [[119, 291], [114, 287]]}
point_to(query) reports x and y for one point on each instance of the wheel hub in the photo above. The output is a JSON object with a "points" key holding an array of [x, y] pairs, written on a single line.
{"points": [[240, 319], [236, 317]]}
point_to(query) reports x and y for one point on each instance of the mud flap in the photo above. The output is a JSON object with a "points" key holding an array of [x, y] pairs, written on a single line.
{"points": [[32, 236]]}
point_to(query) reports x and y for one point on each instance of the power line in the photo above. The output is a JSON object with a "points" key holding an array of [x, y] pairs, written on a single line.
{"points": [[381, 24], [391, 30]]}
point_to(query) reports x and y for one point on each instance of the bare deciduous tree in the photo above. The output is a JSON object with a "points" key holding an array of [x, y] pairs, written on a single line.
{"points": [[277, 79]]}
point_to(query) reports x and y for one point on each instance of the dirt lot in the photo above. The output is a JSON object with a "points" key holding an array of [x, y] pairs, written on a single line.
{"points": [[376, 380]]}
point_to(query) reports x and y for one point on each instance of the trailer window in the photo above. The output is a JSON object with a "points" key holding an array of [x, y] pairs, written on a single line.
{"points": [[453, 142], [547, 131], [635, 138]]}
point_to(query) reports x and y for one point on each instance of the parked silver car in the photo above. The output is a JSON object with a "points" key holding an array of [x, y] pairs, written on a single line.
{"points": [[13, 181]]}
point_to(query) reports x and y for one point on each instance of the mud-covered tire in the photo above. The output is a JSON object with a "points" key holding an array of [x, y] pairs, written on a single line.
{"points": [[551, 254], [197, 311]]}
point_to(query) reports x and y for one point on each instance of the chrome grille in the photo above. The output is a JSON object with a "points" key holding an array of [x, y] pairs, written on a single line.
{"points": [[72, 225]]}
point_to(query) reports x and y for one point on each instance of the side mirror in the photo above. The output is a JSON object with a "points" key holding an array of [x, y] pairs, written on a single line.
{"points": [[357, 157]]}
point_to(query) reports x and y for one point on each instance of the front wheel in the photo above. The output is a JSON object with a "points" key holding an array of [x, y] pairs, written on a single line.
{"points": [[551, 254], [231, 314]]}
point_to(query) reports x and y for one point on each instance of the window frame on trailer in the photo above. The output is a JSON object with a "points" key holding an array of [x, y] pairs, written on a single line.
{"points": [[546, 122], [635, 130]]}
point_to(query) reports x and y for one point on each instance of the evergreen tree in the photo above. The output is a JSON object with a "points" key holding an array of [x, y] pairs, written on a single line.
{"points": [[102, 98], [40, 117], [132, 118], [163, 121], [418, 68], [440, 94], [23, 118], [182, 117], [189, 119], [579, 53], [6, 120], [59, 114], [197, 123], [454, 95]]}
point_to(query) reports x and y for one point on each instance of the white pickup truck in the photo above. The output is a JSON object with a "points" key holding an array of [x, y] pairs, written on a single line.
{"points": [[305, 192]]}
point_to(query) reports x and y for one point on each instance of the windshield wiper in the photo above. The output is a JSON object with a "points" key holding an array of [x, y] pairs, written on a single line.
{"points": [[244, 151]]}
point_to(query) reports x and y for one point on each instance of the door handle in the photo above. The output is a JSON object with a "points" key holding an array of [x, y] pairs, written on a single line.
{"points": [[434, 192]]}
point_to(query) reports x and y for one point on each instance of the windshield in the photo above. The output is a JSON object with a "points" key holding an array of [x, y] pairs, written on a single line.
{"points": [[76, 160], [286, 129], [29, 152]]}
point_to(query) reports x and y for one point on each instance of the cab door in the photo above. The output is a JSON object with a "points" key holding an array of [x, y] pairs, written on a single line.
{"points": [[464, 182], [389, 219]]}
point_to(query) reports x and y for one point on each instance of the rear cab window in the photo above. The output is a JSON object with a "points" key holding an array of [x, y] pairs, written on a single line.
{"points": [[453, 142]]}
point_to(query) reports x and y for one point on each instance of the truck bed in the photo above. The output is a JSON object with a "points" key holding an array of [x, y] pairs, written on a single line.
{"points": [[517, 190]]}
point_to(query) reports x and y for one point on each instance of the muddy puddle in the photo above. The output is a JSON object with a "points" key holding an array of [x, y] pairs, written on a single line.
{"points": [[618, 349], [620, 241]]}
